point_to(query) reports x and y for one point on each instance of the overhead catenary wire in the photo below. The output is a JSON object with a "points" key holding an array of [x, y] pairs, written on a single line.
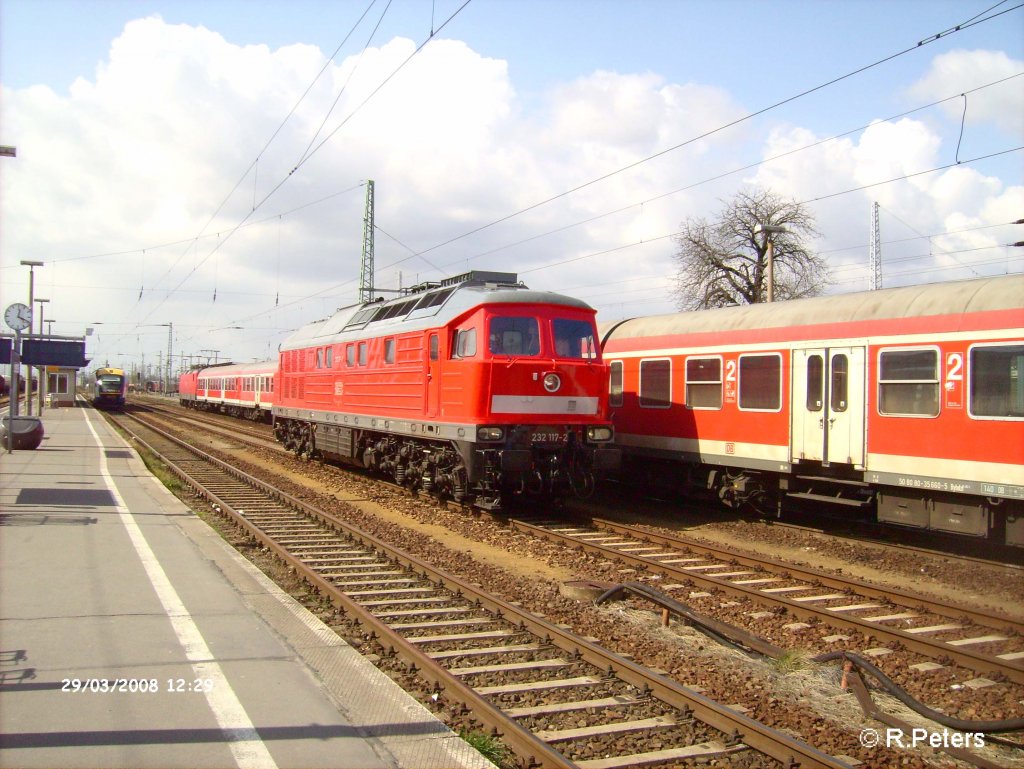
{"points": [[975, 20], [302, 162]]}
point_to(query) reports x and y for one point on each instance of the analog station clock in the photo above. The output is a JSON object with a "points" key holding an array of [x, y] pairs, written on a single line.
{"points": [[18, 316]]}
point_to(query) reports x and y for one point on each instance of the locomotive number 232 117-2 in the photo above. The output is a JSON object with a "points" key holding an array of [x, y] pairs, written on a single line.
{"points": [[540, 436]]}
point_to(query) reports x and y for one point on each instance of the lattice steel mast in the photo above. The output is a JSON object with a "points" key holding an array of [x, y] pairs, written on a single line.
{"points": [[366, 268], [875, 252]]}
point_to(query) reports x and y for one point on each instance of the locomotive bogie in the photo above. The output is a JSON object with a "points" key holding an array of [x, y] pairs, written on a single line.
{"points": [[907, 402]]}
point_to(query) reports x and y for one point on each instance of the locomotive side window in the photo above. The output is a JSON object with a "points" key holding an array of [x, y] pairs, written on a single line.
{"points": [[434, 347], [574, 339], [997, 381], [329, 359], [703, 383], [615, 383], [840, 383], [514, 336], [319, 357], [389, 350], [908, 383], [350, 355], [760, 382], [362, 353], [655, 384], [465, 343]]}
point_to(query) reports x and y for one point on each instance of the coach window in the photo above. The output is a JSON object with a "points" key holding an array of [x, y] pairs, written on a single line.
{"points": [[840, 383], [615, 383], [362, 353], [465, 343], [704, 383], [997, 382], [760, 383], [389, 350], [350, 355], [434, 347], [815, 383], [908, 383], [656, 384]]}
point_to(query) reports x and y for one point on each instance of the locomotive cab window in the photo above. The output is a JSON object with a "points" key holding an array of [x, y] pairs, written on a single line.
{"points": [[464, 345], [760, 385], [615, 383], [908, 383], [514, 336], [574, 339], [655, 384], [703, 383], [997, 381]]}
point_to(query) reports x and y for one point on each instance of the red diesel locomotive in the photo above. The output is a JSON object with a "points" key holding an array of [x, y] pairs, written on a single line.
{"points": [[475, 388], [907, 401]]}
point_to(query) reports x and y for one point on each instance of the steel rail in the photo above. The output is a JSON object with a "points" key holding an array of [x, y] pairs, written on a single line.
{"points": [[776, 744], [1012, 669], [810, 574]]}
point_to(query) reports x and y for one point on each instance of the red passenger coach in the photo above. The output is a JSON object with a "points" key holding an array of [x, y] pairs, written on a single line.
{"points": [[908, 401], [475, 388], [239, 390]]}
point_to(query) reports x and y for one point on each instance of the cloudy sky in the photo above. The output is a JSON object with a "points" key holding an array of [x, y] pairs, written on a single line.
{"points": [[203, 163]]}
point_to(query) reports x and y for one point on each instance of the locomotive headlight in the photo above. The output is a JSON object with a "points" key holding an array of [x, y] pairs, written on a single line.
{"points": [[598, 434], [490, 433], [552, 382]]}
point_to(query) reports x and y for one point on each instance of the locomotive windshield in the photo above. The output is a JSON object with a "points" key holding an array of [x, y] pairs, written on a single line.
{"points": [[523, 337], [109, 384], [514, 336], [574, 339]]}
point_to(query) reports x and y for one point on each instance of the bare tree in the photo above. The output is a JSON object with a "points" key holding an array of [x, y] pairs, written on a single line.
{"points": [[725, 262]]}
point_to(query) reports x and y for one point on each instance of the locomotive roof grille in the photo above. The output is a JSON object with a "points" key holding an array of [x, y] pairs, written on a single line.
{"points": [[400, 307], [454, 296]]}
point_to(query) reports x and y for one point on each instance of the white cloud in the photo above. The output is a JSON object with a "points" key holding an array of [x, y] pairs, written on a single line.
{"points": [[960, 70], [143, 153]]}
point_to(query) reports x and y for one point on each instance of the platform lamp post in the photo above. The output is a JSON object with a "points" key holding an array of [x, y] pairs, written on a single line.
{"points": [[42, 369], [31, 300], [768, 230]]}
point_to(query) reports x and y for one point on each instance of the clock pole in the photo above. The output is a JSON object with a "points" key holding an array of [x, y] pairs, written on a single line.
{"points": [[12, 406]]}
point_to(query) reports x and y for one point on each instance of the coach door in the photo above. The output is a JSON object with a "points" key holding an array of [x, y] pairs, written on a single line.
{"points": [[828, 405]]}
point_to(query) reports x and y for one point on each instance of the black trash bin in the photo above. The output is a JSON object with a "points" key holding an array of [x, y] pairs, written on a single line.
{"points": [[27, 433]]}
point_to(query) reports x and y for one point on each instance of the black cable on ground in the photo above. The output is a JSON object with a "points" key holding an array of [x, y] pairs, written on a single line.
{"points": [[740, 639]]}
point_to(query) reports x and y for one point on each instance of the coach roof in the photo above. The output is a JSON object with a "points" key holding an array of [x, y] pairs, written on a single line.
{"points": [[956, 298]]}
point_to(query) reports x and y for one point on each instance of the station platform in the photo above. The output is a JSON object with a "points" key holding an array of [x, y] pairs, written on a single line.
{"points": [[132, 635]]}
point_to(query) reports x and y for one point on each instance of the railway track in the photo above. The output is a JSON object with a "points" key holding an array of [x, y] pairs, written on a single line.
{"points": [[975, 639], [978, 640], [555, 698]]}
